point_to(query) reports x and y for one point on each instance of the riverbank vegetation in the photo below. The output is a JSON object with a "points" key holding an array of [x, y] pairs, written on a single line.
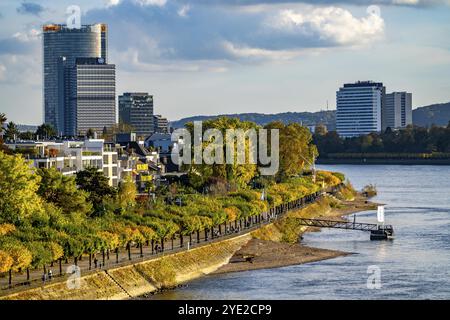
{"points": [[409, 143], [46, 216]]}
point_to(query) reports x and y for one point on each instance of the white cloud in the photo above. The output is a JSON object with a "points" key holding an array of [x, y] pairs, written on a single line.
{"points": [[184, 10], [30, 35], [331, 24], [159, 3], [111, 3]]}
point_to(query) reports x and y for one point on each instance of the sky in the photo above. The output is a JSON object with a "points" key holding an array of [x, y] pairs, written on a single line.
{"points": [[207, 57]]}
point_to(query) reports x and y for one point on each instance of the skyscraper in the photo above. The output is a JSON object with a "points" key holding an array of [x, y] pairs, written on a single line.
{"points": [[91, 87], [397, 112], [161, 124], [61, 47], [359, 106], [136, 109]]}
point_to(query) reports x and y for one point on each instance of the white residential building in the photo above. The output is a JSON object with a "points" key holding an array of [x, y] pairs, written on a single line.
{"points": [[359, 108]]}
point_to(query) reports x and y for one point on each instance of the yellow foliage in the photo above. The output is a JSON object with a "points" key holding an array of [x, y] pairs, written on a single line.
{"points": [[6, 228], [6, 261], [232, 213]]}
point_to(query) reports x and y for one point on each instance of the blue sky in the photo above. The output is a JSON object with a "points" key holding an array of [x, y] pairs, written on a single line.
{"points": [[228, 56]]}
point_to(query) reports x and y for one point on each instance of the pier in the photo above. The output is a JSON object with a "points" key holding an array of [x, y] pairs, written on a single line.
{"points": [[377, 231]]}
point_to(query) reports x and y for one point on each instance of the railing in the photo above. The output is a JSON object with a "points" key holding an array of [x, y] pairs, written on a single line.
{"points": [[153, 249]]}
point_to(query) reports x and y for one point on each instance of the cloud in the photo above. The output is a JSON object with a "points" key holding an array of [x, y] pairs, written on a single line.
{"points": [[324, 2], [177, 33], [22, 42], [331, 25], [30, 8]]}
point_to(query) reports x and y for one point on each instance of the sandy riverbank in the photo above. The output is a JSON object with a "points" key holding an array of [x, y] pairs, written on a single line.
{"points": [[264, 254]]}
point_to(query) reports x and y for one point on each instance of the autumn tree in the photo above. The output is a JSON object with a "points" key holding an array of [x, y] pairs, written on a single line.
{"points": [[235, 173], [127, 193], [297, 152], [18, 187]]}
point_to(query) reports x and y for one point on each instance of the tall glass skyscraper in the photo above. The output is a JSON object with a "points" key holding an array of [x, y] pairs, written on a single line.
{"points": [[136, 109], [61, 47], [359, 108]]}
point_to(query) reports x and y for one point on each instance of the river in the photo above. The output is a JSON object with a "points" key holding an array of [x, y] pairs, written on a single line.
{"points": [[416, 265]]}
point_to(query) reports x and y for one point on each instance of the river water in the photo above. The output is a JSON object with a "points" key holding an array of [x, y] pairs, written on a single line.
{"points": [[416, 265]]}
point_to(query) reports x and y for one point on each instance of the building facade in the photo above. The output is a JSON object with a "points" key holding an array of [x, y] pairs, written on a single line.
{"points": [[397, 112], [91, 95], [161, 124], [136, 109], [359, 108], [61, 47]]}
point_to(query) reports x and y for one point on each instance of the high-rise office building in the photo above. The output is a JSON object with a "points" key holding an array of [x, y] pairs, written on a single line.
{"points": [[91, 89], [161, 124], [397, 111], [61, 47], [136, 109], [359, 106]]}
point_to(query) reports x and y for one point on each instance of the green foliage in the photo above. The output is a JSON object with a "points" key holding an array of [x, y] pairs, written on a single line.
{"points": [[96, 184], [11, 131], [297, 152], [62, 191], [411, 142], [18, 186], [46, 131]]}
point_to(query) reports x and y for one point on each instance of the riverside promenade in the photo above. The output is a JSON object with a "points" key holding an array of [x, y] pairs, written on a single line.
{"points": [[89, 264]]}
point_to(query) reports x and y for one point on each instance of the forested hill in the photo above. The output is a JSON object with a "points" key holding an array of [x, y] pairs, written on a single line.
{"points": [[307, 118], [438, 114]]}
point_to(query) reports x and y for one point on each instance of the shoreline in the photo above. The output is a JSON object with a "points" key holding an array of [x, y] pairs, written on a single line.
{"points": [[260, 254]]}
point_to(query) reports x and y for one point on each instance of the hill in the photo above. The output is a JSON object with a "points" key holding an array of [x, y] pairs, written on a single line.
{"points": [[438, 114], [306, 118]]}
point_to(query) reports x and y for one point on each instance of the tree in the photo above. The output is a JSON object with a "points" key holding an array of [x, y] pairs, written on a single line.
{"points": [[6, 262], [90, 133], [235, 174], [11, 131], [297, 152], [95, 182], [18, 186], [2, 122], [127, 193], [46, 131], [26, 135], [62, 191]]}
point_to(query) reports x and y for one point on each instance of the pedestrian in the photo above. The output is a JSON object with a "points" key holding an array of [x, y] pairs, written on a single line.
{"points": [[50, 274], [95, 263]]}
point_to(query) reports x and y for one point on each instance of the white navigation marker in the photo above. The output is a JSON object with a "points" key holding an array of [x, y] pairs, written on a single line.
{"points": [[380, 214]]}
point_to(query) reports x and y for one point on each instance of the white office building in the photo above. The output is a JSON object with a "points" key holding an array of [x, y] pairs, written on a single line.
{"points": [[397, 111], [359, 108]]}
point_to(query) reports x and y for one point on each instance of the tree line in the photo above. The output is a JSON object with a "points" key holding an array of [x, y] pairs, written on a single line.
{"points": [[411, 140]]}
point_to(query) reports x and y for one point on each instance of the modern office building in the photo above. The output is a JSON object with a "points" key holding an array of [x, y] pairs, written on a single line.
{"points": [[91, 92], [61, 47], [397, 111], [359, 108], [161, 124], [136, 109]]}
